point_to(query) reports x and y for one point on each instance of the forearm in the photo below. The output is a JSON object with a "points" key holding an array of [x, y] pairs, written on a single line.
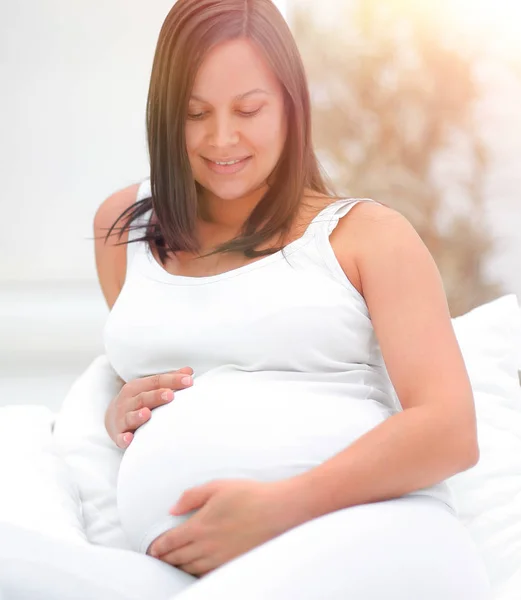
{"points": [[409, 451]]}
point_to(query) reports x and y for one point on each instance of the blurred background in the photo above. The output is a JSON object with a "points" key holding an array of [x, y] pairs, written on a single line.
{"points": [[416, 104]]}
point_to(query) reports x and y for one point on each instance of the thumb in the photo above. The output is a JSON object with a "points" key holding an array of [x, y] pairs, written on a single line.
{"points": [[192, 499]]}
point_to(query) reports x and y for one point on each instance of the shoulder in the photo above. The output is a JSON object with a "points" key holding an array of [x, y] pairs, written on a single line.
{"points": [[397, 271], [374, 232], [358, 234], [382, 254], [385, 238], [367, 217], [111, 259], [112, 207]]}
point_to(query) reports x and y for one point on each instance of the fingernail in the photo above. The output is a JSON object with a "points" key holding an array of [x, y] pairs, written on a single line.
{"points": [[126, 438], [165, 396], [141, 414], [186, 380]]}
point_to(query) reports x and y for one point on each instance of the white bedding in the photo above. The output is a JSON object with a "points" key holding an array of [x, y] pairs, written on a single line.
{"points": [[37, 489], [63, 482]]}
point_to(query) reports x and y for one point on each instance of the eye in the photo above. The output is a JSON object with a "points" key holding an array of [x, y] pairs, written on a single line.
{"points": [[196, 117], [245, 113]]}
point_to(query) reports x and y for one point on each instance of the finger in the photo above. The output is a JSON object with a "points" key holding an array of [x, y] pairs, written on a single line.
{"points": [[136, 418], [198, 568], [150, 400], [123, 439], [183, 556], [177, 380], [195, 497], [187, 370], [172, 540]]}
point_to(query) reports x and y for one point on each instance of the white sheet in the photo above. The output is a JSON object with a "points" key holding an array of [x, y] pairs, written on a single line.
{"points": [[37, 490]]}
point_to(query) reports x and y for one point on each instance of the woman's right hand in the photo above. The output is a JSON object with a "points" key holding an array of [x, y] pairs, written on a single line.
{"points": [[133, 405]]}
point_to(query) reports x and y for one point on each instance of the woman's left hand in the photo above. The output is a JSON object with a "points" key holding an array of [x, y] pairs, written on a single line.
{"points": [[234, 516]]}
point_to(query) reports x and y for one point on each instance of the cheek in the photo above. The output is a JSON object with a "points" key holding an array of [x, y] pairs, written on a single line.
{"points": [[194, 136], [279, 130], [270, 138]]}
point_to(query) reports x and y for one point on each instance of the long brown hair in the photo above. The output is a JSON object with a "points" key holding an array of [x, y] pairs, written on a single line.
{"points": [[191, 29]]}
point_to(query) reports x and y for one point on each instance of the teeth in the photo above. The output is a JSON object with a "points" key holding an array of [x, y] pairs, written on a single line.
{"points": [[232, 162]]}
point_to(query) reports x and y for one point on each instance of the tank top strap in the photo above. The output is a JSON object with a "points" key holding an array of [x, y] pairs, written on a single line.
{"points": [[328, 218], [323, 225]]}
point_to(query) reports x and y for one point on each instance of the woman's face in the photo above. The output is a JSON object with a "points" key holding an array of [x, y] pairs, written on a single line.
{"points": [[236, 115]]}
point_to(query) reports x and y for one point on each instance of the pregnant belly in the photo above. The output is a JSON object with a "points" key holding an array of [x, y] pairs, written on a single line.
{"points": [[254, 430]]}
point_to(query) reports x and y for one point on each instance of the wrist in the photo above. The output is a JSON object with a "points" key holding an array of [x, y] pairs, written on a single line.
{"points": [[297, 495]]}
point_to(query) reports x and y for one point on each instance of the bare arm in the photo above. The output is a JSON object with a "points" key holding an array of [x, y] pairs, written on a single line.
{"points": [[111, 260], [435, 436]]}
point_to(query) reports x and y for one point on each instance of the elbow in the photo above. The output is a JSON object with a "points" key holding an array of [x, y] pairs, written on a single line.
{"points": [[466, 442], [474, 455], [473, 450], [470, 454], [464, 450]]}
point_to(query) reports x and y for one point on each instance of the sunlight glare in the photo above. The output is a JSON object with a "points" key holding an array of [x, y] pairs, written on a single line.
{"points": [[497, 22]]}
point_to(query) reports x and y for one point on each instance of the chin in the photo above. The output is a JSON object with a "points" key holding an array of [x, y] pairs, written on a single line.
{"points": [[229, 192]]}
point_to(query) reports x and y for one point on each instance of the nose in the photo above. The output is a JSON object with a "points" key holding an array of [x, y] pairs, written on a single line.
{"points": [[223, 132]]}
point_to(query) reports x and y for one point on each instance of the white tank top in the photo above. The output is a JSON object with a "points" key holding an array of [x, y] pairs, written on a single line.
{"points": [[287, 371]]}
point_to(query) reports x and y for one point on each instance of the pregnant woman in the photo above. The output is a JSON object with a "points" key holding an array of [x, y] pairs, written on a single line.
{"points": [[306, 457], [329, 399]]}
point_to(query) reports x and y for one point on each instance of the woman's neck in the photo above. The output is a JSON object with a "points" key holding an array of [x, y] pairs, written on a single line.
{"points": [[229, 214]]}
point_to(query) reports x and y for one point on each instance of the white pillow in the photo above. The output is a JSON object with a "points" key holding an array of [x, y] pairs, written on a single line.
{"points": [[92, 457], [488, 496], [37, 492]]}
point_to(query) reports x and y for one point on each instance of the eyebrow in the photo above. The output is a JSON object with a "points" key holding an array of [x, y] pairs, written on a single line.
{"points": [[239, 97]]}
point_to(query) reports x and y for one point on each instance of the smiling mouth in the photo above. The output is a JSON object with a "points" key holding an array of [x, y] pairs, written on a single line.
{"points": [[228, 162], [229, 167]]}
